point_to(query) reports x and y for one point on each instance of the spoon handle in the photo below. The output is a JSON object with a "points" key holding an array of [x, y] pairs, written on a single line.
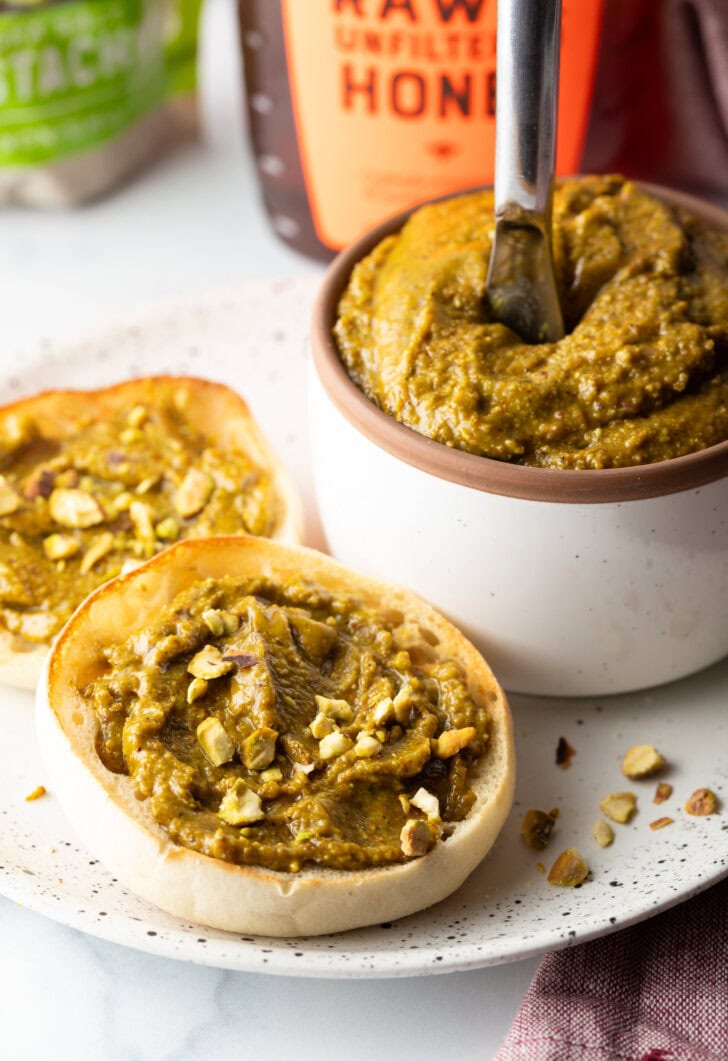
{"points": [[529, 34]]}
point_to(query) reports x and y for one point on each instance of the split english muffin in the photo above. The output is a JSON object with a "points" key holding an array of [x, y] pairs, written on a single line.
{"points": [[253, 737], [93, 482]]}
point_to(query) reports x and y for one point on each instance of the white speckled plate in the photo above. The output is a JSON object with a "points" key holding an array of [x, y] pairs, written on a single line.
{"points": [[253, 338]]}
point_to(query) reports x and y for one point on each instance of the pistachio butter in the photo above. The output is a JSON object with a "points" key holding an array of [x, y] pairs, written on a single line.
{"points": [[76, 511], [283, 756], [639, 377]]}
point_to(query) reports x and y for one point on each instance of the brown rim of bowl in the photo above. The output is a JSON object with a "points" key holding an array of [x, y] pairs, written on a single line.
{"points": [[483, 473]]}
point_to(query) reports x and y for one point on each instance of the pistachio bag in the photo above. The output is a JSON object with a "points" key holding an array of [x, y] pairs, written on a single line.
{"points": [[91, 90]]}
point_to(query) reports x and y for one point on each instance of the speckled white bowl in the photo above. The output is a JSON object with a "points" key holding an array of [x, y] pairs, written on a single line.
{"points": [[573, 583]]}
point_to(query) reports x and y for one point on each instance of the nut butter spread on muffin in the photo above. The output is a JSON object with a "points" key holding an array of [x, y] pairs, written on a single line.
{"points": [[641, 375], [252, 736], [276, 723], [92, 483]]}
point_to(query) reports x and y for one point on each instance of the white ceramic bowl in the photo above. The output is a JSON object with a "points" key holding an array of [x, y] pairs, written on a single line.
{"points": [[572, 583]]}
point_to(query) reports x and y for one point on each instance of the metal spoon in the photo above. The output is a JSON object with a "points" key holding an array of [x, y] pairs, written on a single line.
{"points": [[520, 285]]}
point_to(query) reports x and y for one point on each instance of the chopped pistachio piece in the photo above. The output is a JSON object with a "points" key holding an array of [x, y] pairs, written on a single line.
{"points": [[536, 829], [427, 802], [702, 802], [75, 508], [334, 744], [99, 548], [662, 792], [402, 703], [383, 711], [208, 663], [220, 622], [404, 802], [603, 833], [641, 760], [137, 416], [366, 746], [214, 741], [147, 484], [122, 501], [60, 546], [9, 500], [569, 869], [167, 529], [212, 619], [452, 741], [619, 806], [193, 493], [259, 748], [416, 838], [141, 517], [660, 823], [196, 690], [273, 773], [321, 726], [240, 805], [339, 709]]}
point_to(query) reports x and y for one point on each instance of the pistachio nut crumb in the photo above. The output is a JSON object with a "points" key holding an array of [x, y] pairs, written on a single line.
{"points": [[641, 760], [99, 548], [208, 663], [366, 746], [196, 690], [75, 508], [141, 517], [60, 546], [147, 484], [662, 792], [137, 416], [214, 741], [702, 802], [338, 709], [273, 773], [334, 744], [564, 753], [193, 493], [536, 829], [603, 833], [167, 530], [404, 802], [259, 748], [240, 805], [383, 711], [416, 838], [452, 741], [9, 500], [427, 802], [660, 823], [402, 703], [569, 869], [321, 726], [540, 867], [619, 806], [38, 791]]}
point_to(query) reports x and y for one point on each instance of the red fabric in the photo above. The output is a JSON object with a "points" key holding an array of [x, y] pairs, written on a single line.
{"points": [[660, 108], [655, 992]]}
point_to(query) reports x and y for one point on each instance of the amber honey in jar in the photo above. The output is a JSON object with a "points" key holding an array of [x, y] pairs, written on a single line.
{"points": [[360, 108]]}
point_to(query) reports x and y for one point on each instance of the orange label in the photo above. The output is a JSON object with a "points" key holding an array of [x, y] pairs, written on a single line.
{"points": [[394, 101]]}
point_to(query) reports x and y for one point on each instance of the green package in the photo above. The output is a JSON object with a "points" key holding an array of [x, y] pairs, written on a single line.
{"points": [[90, 90]]}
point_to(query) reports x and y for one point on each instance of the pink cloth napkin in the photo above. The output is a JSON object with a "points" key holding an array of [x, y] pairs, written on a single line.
{"points": [[655, 992]]}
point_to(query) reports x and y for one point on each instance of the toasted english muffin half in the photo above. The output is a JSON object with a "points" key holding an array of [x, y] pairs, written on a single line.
{"points": [[112, 657], [82, 496]]}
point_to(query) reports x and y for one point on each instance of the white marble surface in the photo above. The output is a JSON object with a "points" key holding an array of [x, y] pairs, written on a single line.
{"points": [[192, 223]]}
